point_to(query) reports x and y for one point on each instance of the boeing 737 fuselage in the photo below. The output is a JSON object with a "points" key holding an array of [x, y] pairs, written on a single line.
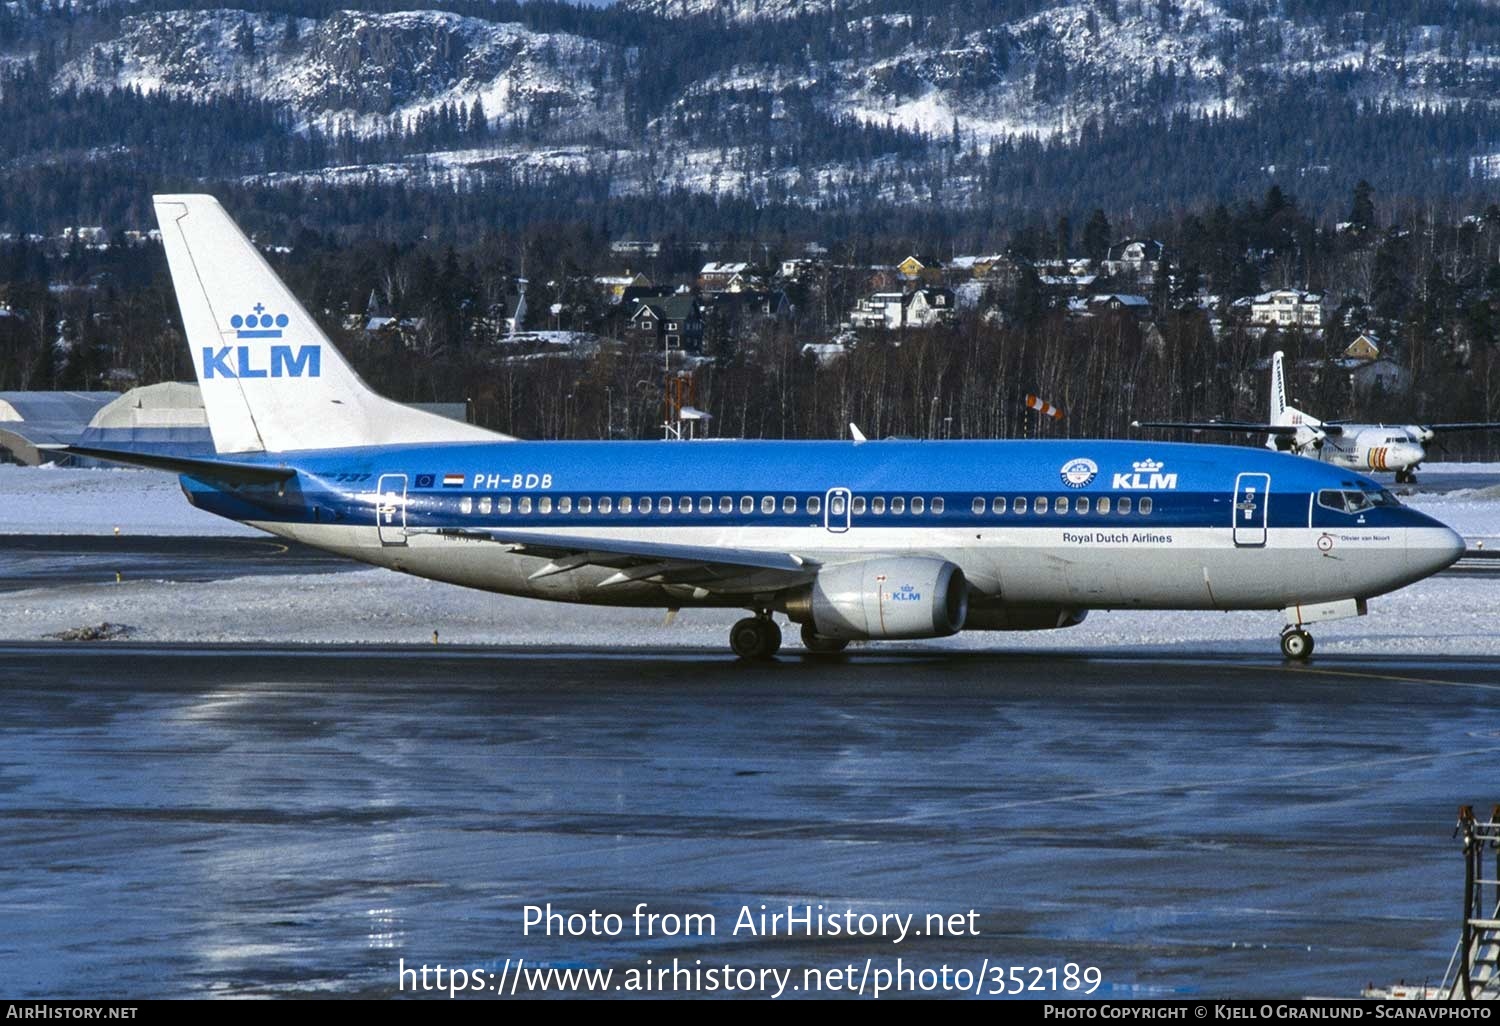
{"points": [[853, 541]]}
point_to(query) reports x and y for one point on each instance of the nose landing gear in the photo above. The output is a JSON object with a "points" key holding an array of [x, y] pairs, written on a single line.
{"points": [[755, 637], [1296, 644]]}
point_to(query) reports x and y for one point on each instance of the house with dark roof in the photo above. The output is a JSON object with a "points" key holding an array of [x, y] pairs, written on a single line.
{"points": [[668, 322]]}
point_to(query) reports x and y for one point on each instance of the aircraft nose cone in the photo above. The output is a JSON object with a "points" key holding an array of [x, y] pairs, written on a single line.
{"points": [[1430, 549], [1407, 455]]}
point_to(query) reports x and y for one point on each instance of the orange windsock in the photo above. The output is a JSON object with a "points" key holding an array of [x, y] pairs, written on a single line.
{"points": [[1043, 407]]}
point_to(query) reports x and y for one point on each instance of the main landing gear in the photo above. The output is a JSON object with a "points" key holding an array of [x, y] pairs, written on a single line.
{"points": [[755, 637], [816, 644], [1406, 477], [758, 638], [1296, 644]]}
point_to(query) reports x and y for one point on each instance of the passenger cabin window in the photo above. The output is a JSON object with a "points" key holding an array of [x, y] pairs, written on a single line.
{"points": [[789, 504], [1146, 504], [585, 505], [859, 505], [977, 506], [918, 504], [565, 505], [938, 505], [768, 504], [606, 504], [544, 504], [997, 505], [877, 505], [1062, 503], [627, 504], [747, 504], [684, 505], [705, 504], [504, 504], [814, 504], [484, 505], [1083, 504], [466, 505], [1124, 504], [1041, 504], [1104, 504], [726, 504], [898, 505], [1020, 504], [525, 505], [645, 504]]}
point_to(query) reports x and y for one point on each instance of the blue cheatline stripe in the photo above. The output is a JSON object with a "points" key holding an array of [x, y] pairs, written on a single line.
{"points": [[442, 510]]}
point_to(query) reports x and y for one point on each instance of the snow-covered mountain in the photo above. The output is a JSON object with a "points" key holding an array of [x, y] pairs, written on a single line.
{"points": [[358, 68], [763, 97]]}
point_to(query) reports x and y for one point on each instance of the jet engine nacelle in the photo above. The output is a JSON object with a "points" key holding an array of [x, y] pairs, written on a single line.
{"points": [[910, 597]]}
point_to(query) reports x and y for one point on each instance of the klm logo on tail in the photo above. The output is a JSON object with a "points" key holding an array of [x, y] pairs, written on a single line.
{"points": [[276, 361]]}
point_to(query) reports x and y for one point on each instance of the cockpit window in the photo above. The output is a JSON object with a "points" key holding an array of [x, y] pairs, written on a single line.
{"points": [[1379, 496], [1353, 501]]}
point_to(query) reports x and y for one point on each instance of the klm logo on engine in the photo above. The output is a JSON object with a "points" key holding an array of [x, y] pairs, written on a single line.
{"points": [[277, 360], [1145, 476]]}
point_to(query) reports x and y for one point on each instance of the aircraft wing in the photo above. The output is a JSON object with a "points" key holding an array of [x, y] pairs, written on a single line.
{"points": [[226, 471], [1221, 425], [1475, 425], [710, 567]]}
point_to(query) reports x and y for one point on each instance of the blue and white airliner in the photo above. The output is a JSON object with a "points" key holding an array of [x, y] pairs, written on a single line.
{"points": [[853, 541]]}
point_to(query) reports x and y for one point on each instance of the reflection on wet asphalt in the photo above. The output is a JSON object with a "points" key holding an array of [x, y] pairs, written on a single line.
{"points": [[244, 820]]}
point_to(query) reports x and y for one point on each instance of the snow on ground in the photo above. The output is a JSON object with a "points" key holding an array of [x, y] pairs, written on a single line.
{"points": [[1444, 615], [56, 500]]}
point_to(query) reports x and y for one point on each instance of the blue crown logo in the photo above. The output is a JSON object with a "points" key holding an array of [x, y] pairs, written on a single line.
{"points": [[258, 324]]}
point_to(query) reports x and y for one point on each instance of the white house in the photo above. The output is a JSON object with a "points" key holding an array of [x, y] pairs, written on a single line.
{"points": [[1284, 308], [893, 311]]}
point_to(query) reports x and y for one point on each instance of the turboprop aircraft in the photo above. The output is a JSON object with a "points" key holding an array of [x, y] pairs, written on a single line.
{"points": [[1372, 447], [851, 540]]}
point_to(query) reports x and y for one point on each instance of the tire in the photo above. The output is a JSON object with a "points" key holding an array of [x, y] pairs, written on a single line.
{"points": [[819, 645], [755, 638], [773, 638], [1297, 645]]}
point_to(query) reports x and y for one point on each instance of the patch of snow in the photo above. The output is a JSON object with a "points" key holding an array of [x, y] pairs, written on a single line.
{"points": [[65, 500]]}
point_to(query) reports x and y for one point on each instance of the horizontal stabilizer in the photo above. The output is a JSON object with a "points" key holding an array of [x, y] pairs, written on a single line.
{"points": [[215, 470]]}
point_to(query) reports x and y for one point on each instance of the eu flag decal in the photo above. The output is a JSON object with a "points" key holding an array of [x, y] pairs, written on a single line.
{"points": [[424, 480]]}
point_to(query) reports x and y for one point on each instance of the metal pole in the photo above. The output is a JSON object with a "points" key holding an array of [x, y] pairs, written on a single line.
{"points": [[1466, 942]]}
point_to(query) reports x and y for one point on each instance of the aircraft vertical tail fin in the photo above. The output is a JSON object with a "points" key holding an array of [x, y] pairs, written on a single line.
{"points": [[272, 381], [1279, 408]]}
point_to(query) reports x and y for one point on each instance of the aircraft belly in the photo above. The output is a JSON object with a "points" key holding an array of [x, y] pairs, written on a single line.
{"points": [[1159, 568]]}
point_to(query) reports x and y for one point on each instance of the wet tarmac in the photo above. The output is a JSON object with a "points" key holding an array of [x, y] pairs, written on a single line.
{"points": [[248, 821], [35, 560]]}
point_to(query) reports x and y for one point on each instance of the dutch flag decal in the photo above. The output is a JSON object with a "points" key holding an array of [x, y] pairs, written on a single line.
{"points": [[453, 480]]}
